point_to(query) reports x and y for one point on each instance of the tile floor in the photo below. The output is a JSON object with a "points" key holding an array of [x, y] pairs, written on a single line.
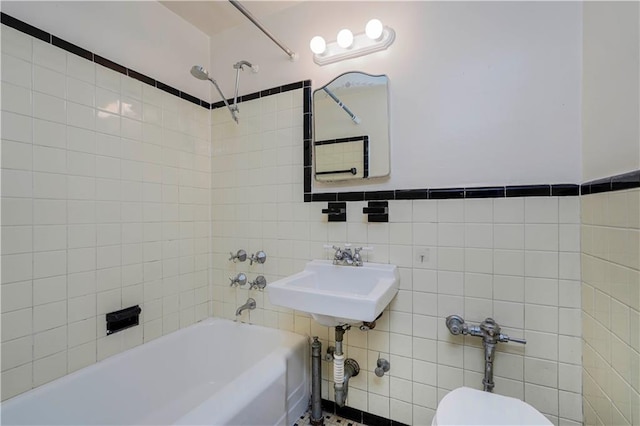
{"points": [[329, 420]]}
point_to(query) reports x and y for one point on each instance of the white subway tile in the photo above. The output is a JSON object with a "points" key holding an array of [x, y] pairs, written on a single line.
{"points": [[16, 296], [18, 44], [17, 324], [541, 318], [16, 211], [19, 379], [542, 398], [107, 123], [17, 352], [17, 267], [49, 263], [81, 308], [80, 92], [81, 356], [49, 56], [50, 315], [50, 185], [80, 68], [541, 210], [48, 290], [107, 79], [49, 108], [50, 134], [508, 210], [508, 262], [48, 81], [541, 264], [50, 160], [17, 239], [49, 342], [16, 71], [16, 127], [17, 183], [16, 99], [81, 284], [81, 140], [81, 116]]}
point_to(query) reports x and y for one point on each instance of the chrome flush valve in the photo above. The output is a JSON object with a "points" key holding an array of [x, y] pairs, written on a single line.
{"points": [[489, 330]]}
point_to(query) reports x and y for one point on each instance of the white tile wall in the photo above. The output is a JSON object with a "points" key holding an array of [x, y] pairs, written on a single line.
{"points": [[513, 259], [103, 207], [610, 308]]}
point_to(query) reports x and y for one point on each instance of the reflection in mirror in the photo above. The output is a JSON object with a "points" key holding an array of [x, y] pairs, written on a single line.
{"points": [[351, 128]]}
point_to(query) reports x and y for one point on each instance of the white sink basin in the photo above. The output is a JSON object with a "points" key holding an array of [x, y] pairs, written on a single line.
{"points": [[338, 294]]}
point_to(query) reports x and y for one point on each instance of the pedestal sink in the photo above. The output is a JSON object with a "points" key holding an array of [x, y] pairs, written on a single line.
{"points": [[338, 294]]}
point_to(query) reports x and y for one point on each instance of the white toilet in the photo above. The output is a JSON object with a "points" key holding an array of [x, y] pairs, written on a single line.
{"points": [[466, 406]]}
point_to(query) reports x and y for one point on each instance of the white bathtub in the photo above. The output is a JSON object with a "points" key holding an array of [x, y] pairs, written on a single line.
{"points": [[216, 372]]}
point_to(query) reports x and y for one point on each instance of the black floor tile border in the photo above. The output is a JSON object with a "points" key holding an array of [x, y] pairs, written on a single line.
{"points": [[356, 415], [21, 26]]}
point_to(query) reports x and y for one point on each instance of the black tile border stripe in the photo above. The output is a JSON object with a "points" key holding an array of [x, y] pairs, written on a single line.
{"points": [[21, 26], [612, 183]]}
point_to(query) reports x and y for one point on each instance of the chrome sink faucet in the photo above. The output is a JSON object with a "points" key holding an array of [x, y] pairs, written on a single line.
{"points": [[344, 256]]}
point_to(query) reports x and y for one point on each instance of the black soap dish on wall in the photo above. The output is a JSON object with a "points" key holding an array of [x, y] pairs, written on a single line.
{"points": [[123, 319], [377, 211], [337, 212]]}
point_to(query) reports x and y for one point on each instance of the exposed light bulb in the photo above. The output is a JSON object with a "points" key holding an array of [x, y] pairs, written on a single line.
{"points": [[374, 29], [345, 38], [318, 45]]}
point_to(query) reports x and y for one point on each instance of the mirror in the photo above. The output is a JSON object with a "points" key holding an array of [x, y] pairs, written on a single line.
{"points": [[351, 128]]}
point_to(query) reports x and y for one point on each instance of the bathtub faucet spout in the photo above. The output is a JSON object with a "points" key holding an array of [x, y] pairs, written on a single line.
{"points": [[251, 304]]}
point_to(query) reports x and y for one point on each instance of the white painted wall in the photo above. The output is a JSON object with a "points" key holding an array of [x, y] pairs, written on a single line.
{"points": [[611, 89], [141, 35], [481, 93]]}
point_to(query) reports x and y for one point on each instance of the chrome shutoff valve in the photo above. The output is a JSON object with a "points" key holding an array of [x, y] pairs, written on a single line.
{"points": [[240, 279], [260, 283], [259, 257], [240, 256]]}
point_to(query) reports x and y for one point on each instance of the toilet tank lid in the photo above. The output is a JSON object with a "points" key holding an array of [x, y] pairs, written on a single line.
{"points": [[467, 406]]}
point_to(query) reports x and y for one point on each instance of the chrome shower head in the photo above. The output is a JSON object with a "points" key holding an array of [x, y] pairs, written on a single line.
{"points": [[199, 72]]}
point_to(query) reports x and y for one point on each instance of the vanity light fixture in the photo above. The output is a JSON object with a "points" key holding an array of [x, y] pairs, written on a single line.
{"points": [[376, 37]]}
